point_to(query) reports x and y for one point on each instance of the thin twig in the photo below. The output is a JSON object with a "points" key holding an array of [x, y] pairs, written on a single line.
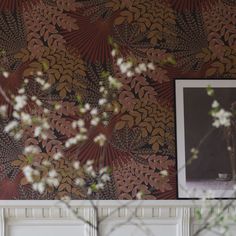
{"points": [[208, 223], [8, 100], [114, 211], [75, 213], [198, 147]]}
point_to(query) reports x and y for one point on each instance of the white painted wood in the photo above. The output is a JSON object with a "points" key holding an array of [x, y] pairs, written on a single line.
{"points": [[44, 227], [2, 222], [106, 203], [157, 227], [174, 218]]}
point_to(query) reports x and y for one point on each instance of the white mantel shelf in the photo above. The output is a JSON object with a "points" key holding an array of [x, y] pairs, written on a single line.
{"points": [[112, 203]]}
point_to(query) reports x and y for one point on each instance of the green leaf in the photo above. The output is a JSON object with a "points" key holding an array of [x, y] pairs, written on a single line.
{"points": [[198, 214], [105, 74], [30, 159], [210, 91]]}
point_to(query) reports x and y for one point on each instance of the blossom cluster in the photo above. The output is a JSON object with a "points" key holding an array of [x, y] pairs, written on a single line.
{"points": [[41, 174], [21, 118], [90, 180], [221, 117]]}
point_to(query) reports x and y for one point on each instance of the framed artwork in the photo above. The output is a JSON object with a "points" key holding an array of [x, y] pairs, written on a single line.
{"points": [[206, 137]]}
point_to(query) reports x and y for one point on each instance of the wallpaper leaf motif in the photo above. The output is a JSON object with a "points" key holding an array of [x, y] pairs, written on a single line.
{"points": [[190, 39], [17, 33], [153, 16], [19, 5], [141, 109], [42, 23], [137, 177], [220, 53], [61, 67]]}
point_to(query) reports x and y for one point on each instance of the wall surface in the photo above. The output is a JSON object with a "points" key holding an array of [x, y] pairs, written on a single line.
{"points": [[69, 42], [169, 218]]}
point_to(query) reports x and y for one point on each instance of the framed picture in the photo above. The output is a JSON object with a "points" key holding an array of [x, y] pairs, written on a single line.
{"points": [[206, 137]]}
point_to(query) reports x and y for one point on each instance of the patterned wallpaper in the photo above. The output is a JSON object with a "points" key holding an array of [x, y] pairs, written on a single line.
{"points": [[68, 41]]}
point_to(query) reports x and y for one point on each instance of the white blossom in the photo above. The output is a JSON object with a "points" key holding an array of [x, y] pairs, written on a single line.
{"points": [[95, 121], [16, 115], [89, 162], [52, 173], [164, 173], [38, 102], [78, 123], [46, 86], [51, 180], [46, 163], [137, 70], [103, 170], [89, 192], [119, 61], [101, 89], [100, 139], [79, 182], [31, 149], [66, 198], [76, 165], [10, 126], [57, 106], [6, 74], [130, 73], [26, 118], [39, 73], [87, 106], [89, 169], [113, 53], [221, 118], [94, 111], [194, 153], [37, 131], [124, 67], [139, 195], [3, 110], [114, 83], [40, 81], [102, 101], [33, 98], [151, 66], [18, 135], [20, 102], [46, 111], [105, 178], [45, 125], [142, 67], [21, 91], [57, 156], [28, 172], [100, 186], [82, 110], [215, 104], [40, 187]]}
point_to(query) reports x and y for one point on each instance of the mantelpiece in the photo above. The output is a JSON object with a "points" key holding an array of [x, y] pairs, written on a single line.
{"points": [[171, 218]]}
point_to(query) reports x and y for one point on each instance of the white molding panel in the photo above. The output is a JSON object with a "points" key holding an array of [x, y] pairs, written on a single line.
{"points": [[2, 222]]}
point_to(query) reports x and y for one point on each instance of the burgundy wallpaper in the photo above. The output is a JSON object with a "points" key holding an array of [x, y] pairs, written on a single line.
{"points": [[69, 41]]}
